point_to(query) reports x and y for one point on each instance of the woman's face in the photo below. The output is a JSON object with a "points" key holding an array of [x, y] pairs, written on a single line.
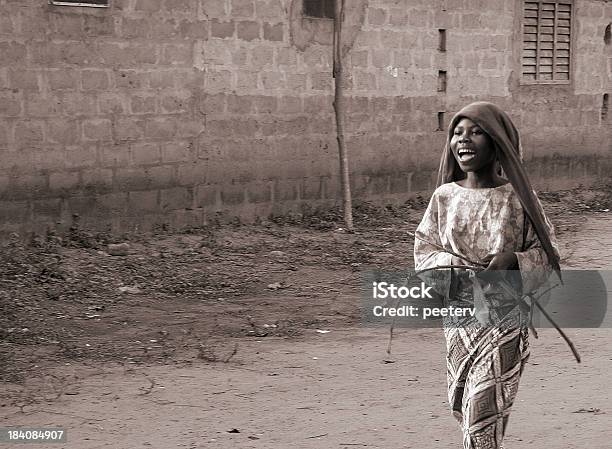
{"points": [[472, 147]]}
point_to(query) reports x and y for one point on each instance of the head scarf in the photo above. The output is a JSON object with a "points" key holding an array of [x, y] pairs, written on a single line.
{"points": [[498, 125]]}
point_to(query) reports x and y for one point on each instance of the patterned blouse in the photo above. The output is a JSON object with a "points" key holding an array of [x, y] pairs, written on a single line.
{"points": [[476, 223]]}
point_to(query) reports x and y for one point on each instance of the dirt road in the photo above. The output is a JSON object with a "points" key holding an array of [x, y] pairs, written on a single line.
{"points": [[328, 390]]}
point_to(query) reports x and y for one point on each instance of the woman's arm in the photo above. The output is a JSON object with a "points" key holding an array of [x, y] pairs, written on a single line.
{"points": [[427, 255], [532, 259], [427, 252]]}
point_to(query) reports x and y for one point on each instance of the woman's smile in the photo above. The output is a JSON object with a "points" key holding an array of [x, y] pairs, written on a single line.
{"points": [[471, 146], [466, 154]]}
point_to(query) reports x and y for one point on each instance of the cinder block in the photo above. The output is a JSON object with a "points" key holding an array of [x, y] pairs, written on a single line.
{"points": [[62, 131], [359, 58], [80, 156], [262, 56], [265, 104], [398, 17], [130, 79], [111, 103], [286, 57], [270, 9], [232, 194], [5, 135], [143, 201], [381, 58], [273, 32], [272, 80], [190, 128], [222, 30], [161, 128], [128, 129], [135, 28], [10, 103], [115, 155], [24, 79], [162, 79], [113, 202], [145, 153], [12, 53], [150, 6], [206, 195], [97, 129], [176, 198], [97, 179], [376, 17], [311, 189], [142, 54], [6, 25], [260, 192], [176, 102], [321, 81], [28, 133], [246, 80], [50, 208], [77, 103], [242, 8], [363, 80], [240, 104], [418, 18], [188, 7], [98, 26], [94, 80], [391, 39], [143, 103], [144, 178], [248, 30], [213, 8], [190, 29], [65, 180], [317, 103], [297, 82], [192, 174], [290, 105], [62, 79], [219, 80], [15, 212], [285, 190], [178, 54], [177, 151]]}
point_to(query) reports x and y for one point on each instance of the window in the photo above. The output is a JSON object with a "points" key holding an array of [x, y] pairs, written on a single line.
{"points": [[94, 3], [322, 9], [547, 27]]}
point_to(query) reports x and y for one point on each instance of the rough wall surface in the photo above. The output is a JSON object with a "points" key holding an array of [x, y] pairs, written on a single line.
{"points": [[174, 111]]}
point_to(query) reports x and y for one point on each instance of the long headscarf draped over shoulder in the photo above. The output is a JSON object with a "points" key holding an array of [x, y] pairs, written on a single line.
{"points": [[498, 125]]}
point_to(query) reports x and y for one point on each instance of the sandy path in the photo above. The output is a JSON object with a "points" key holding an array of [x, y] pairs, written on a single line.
{"points": [[334, 391]]}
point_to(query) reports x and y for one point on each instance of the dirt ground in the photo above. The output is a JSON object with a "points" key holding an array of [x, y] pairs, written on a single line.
{"points": [[211, 338]]}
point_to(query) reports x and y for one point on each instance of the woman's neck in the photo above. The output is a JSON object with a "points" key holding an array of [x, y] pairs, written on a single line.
{"points": [[482, 180]]}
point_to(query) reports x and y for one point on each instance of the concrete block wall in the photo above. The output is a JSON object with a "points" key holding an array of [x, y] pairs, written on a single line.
{"points": [[174, 111]]}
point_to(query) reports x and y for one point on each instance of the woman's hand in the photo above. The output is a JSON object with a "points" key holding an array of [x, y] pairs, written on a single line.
{"points": [[458, 261], [501, 261]]}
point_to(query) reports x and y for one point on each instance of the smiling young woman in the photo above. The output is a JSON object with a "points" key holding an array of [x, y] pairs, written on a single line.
{"points": [[498, 223]]}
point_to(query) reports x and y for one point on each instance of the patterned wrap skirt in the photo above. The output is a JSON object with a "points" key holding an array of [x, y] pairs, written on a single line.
{"points": [[484, 365]]}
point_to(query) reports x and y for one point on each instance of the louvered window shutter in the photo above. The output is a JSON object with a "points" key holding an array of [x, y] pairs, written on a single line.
{"points": [[546, 41]]}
